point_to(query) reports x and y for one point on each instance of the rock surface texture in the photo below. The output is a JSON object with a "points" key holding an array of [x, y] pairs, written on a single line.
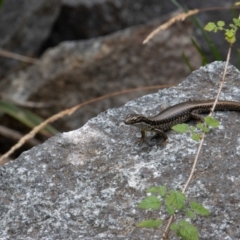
{"points": [[85, 184]]}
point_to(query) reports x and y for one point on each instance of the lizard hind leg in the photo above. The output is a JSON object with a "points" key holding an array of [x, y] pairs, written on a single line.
{"points": [[163, 135], [195, 115]]}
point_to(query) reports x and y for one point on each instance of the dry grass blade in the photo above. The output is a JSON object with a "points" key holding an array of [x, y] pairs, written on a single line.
{"points": [[15, 135], [70, 111], [16, 56], [179, 17]]}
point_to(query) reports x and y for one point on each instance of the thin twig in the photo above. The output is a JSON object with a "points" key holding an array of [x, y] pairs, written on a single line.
{"points": [[194, 163], [166, 232], [212, 110], [8, 54], [223, 79], [70, 111]]}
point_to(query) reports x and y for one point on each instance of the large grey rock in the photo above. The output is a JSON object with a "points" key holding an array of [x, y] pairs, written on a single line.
{"points": [[82, 70], [85, 184], [83, 19], [24, 25]]}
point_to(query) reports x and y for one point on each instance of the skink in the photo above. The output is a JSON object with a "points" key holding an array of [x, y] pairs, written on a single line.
{"points": [[176, 114]]}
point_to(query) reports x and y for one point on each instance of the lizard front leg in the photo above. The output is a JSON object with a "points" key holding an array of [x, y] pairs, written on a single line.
{"points": [[195, 115], [141, 140], [162, 134]]}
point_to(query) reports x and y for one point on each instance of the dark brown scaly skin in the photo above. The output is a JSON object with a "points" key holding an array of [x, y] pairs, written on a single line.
{"points": [[176, 114]]}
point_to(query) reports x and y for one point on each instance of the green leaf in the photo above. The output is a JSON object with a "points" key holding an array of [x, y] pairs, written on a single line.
{"points": [[199, 209], [206, 130], [159, 190], [230, 35], [232, 25], [1, 2], [196, 137], [190, 214], [150, 202], [175, 200], [212, 122], [211, 26], [234, 28], [170, 209], [150, 223], [231, 40], [180, 128], [236, 21], [186, 231], [221, 23], [200, 126]]}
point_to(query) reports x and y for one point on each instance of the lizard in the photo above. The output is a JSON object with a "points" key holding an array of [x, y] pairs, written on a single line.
{"points": [[176, 114]]}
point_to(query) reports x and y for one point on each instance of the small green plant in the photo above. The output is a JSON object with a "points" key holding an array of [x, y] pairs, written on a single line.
{"points": [[196, 132], [230, 33], [26, 117], [173, 201]]}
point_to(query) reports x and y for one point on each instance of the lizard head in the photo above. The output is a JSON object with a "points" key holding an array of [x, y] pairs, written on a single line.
{"points": [[134, 119]]}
